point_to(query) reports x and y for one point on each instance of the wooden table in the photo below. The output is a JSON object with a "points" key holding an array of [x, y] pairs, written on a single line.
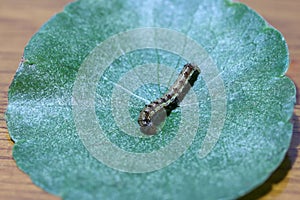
{"points": [[19, 20]]}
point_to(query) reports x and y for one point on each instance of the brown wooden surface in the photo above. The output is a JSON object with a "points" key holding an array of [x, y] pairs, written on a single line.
{"points": [[19, 19]]}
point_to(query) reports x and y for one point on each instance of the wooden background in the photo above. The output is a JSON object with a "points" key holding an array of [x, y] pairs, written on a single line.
{"points": [[19, 20]]}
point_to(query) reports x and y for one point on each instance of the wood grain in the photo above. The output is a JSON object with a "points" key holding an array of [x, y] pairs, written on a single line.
{"points": [[19, 20]]}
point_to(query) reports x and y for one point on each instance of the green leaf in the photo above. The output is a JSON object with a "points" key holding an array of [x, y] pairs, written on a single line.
{"points": [[251, 59]]}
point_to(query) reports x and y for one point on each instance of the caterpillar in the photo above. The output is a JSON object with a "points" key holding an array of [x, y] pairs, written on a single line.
{"points": [[155, 113]]}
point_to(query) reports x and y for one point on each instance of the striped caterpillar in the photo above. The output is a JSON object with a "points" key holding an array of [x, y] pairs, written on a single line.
{"points": [[156, 112]]}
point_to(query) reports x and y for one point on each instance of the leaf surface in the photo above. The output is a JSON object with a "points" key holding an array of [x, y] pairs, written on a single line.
{"points": [[251, 57]]}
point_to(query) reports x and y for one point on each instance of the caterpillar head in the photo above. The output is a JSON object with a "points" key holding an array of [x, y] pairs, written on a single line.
{"points": [[149, 129]]}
